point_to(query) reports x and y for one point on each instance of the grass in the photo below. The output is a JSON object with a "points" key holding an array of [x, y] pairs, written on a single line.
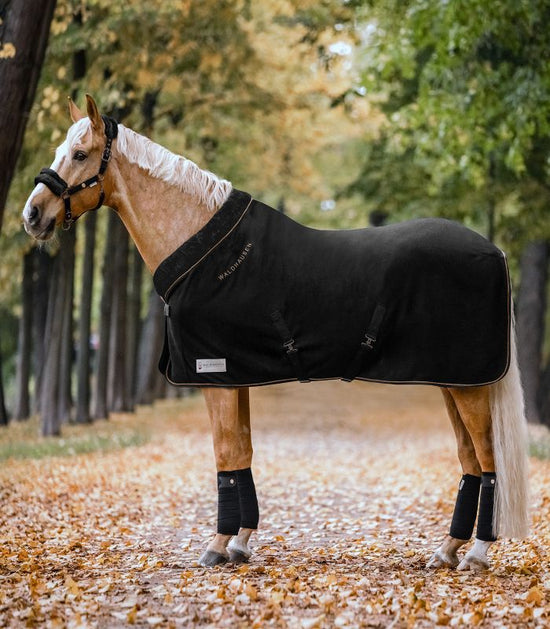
{"points": [[60, 446], [539, 442], [22, 440]]}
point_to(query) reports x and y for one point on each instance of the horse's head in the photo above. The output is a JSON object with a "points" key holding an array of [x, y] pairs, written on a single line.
{"points": [[74, 182]]}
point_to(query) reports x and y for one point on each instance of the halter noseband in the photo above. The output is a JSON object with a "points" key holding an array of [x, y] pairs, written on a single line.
{"points": [[61, 188]]}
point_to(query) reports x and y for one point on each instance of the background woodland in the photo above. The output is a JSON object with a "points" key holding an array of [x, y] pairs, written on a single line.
{"points": [[339, 113]]}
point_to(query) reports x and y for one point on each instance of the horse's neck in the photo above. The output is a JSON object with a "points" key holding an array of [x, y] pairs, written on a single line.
{"points": [[158, 215]]}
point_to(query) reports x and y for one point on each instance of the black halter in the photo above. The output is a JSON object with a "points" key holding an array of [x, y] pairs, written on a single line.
{"points": [[61, 188]]}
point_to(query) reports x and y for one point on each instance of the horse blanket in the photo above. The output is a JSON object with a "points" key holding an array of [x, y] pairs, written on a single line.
{"points": [[255, 298]]}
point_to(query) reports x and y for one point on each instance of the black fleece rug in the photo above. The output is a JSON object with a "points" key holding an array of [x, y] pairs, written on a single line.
{"points": [[256, 298]]}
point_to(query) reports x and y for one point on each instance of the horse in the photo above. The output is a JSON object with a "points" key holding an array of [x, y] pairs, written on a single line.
{"points": [[165, 200]]}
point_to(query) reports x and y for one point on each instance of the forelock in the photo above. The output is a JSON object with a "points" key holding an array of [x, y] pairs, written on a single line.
{"points": [[78, 130]]}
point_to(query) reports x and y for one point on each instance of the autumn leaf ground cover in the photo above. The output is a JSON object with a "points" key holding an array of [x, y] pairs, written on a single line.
{"points": [[356, 486]]}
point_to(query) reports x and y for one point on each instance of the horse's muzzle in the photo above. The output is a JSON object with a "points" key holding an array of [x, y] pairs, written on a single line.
{"points": [[35, 225]]}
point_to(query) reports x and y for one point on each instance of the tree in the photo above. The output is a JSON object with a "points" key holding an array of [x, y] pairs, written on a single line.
{"points": [[24, 30], [24, 346], [531, 307], [23, 39], [42, 279], [149, 349], [53, 387], [101, 410], [134, 324], [84, 321], [465, 88], [118, 355], [65, 400]]}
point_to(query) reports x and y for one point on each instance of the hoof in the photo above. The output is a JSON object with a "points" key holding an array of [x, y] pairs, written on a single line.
{"points": [[442, 560], [237, 557], [211, 559], [474, 564]]}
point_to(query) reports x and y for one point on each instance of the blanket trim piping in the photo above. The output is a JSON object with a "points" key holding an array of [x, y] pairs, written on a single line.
{"points": [[363, 379], [405, 382], [214, 246]]}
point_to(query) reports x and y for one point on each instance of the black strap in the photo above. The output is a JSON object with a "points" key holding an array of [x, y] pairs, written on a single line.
{"points": [[61, 188], [52, 180], [368, 344], [289, 345]]}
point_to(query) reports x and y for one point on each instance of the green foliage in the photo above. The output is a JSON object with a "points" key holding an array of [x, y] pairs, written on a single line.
{"points": [[539, 442], [465, 86]]}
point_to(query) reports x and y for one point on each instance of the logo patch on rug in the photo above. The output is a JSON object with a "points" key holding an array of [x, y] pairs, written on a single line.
{"points": [[211, 365]]}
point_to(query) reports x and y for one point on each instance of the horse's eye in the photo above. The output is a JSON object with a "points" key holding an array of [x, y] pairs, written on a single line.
{"points": [[80, 156]]}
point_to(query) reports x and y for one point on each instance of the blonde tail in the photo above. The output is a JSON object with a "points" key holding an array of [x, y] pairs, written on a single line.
{"points": [[510, 443]]}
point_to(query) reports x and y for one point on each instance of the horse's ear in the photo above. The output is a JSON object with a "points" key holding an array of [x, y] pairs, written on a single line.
{"points": [[74, 111], [93, 113]]}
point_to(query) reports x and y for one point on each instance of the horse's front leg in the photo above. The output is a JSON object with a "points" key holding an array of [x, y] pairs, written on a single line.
{"points": [[229, 411]]}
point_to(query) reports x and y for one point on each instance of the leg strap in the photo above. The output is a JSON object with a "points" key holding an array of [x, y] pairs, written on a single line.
{"points": [[237, 502], [229, 513], [464, 516], [247, 499], [368, 346], [289, 345], [486, 507]]}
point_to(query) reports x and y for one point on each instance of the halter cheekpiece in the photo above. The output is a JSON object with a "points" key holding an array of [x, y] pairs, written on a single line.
{"points": [[62, 189]]}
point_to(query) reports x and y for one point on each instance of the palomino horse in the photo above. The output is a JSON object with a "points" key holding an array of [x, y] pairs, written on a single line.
{"points": [[164, 200]]}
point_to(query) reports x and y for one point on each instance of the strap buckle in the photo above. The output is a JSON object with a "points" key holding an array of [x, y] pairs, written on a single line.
{"points": [[106, 157]]}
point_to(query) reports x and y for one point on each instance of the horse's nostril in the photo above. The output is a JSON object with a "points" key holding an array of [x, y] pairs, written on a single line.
{"points": [[34, 215]]}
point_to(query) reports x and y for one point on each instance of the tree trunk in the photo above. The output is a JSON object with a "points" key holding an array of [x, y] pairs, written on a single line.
{"points": [[67, 336], [25, 28], [101, 409], [42, 278], [149, 350], [3, 411], [134, 324], [544, 396], [23, 370], [531, 306], [117, 376], [50, 408], [84, 321]]}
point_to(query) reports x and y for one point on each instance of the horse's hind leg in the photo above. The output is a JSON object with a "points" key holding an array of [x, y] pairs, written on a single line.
{"points": [[470, 413], [229, 412], [474, 407], [465, 511]]}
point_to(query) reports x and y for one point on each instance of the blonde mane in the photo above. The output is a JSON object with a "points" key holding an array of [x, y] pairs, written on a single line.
{"points": [[210, 190]]}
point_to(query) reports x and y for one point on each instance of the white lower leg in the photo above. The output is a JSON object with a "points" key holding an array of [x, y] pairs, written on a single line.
{"points": [[239, 544], [445, 556], [476, 558]]}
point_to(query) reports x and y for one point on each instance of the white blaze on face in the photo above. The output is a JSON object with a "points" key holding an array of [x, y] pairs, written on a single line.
{"points": [[77, 133], [60, 153]]}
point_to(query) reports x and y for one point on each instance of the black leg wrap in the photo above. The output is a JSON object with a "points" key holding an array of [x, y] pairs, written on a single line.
{"points": [[464, 516], [247, 499], [229, 513], [486, 506]]}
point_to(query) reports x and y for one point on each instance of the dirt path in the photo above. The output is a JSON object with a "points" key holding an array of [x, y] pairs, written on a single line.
{"points": [[356, 486]]}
